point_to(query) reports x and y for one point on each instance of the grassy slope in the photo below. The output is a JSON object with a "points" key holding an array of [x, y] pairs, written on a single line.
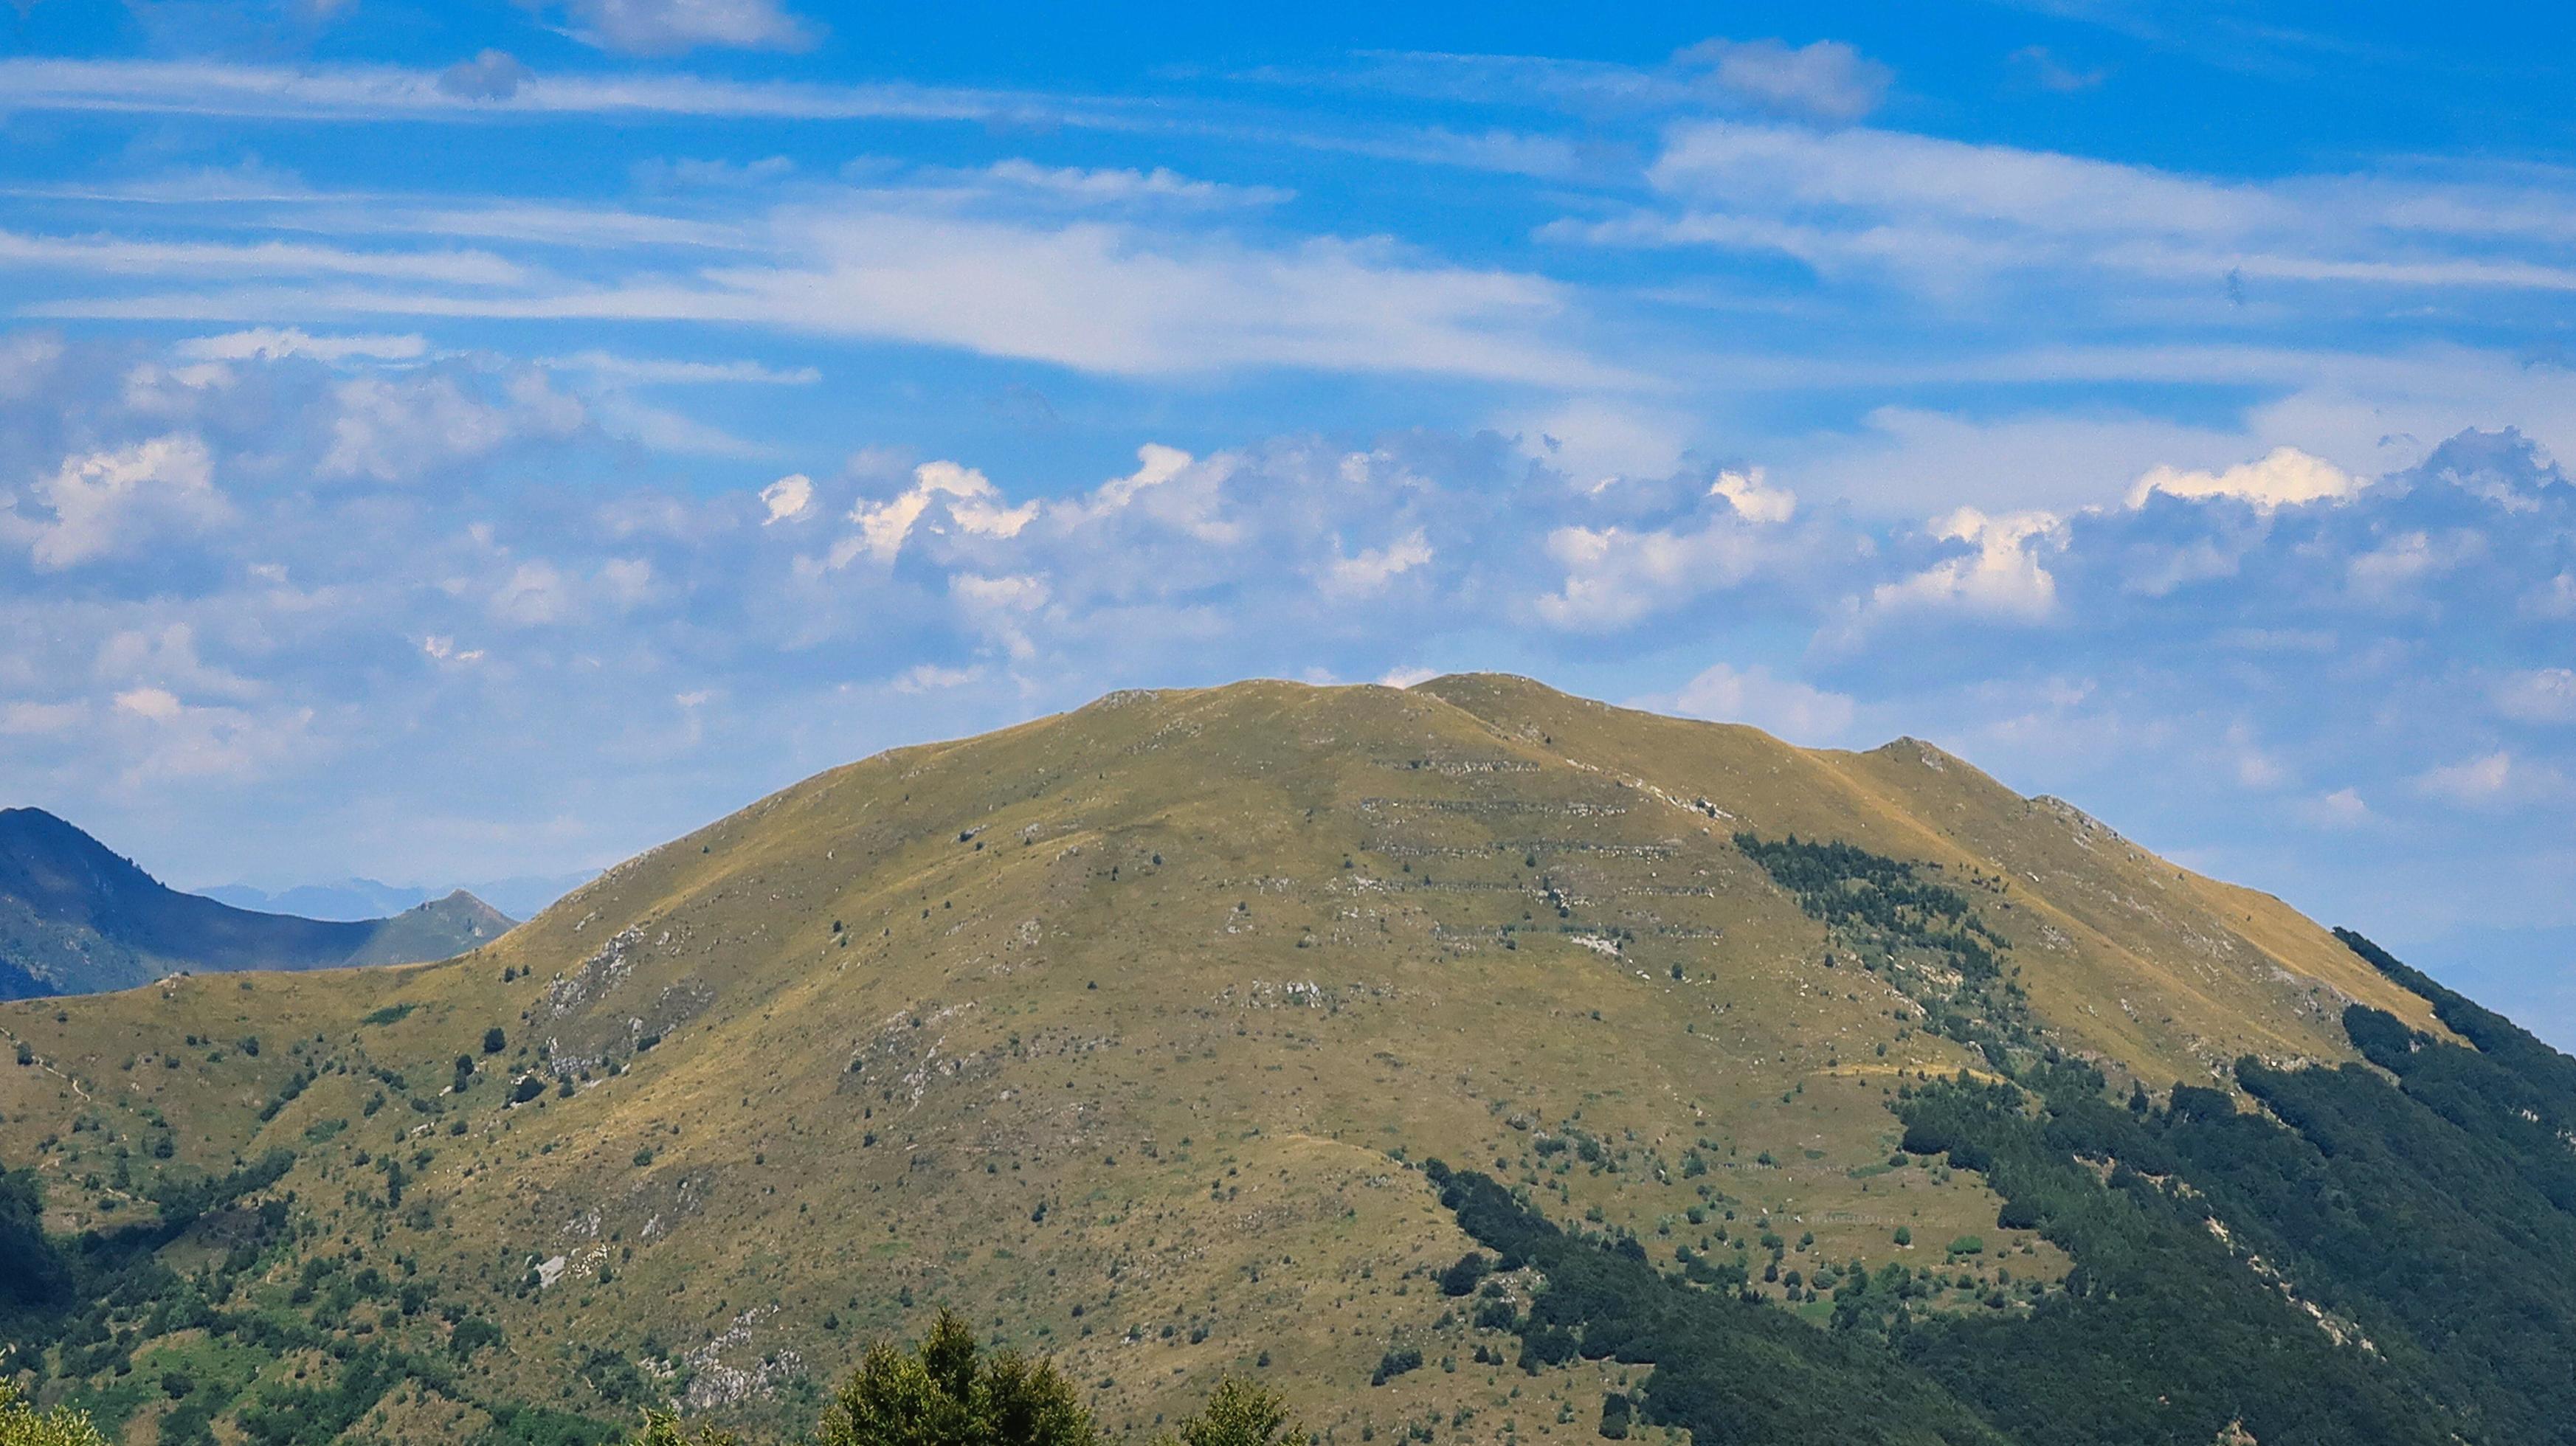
{"points": [[1199, 1066]]}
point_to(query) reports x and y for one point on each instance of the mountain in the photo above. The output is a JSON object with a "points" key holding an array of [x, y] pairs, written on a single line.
{"points": [[1470, 1061], [76, 918], [519, 897], [351, 898]]}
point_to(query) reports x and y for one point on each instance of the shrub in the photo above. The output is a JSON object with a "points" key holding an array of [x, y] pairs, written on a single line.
{"points": [[22, 1425], [945, 1392], [1395, 1363]]}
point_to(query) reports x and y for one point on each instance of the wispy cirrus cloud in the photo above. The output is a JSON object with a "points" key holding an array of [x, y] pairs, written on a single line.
{"points": [[1091, 295], [1943, 214], [385, 92]]}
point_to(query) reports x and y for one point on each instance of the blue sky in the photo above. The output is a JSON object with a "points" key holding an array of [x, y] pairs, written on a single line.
{"points": [[449, 442]]}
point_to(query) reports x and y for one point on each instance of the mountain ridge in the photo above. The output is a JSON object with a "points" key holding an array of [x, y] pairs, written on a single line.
{"points": [[1119, 1030], [77, 917]]}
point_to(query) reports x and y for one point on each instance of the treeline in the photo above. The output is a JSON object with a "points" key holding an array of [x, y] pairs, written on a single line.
{"points": [[1727, 1368], [1923, 936], [2359, 1261], [944, 1391]]}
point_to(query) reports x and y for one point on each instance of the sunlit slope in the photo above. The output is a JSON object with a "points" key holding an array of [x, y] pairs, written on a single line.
{"points": [[1109, 1029]]}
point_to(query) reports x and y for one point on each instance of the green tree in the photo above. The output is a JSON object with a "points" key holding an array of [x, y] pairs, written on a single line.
{"points": [[23, 1425], [945, 1392], [662, 1428], [1239, 1412]]}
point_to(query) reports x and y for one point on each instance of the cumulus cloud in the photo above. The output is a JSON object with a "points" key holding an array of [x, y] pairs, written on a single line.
{"points": [[2002, 577], [2539, 695], [787, 498], [518, 628], [966, 497], [114, 501], [2284, 477], [1616, 576], [397, 428], [1371, 569], [2391, 572], [1753, 498]]}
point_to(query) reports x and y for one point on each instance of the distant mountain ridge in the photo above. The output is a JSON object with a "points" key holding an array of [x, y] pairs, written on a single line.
{"points": [[521, 896], [78, 918]]}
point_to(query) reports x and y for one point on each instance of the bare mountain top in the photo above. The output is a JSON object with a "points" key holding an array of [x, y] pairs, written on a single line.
{"points": [[1110, 1029]]}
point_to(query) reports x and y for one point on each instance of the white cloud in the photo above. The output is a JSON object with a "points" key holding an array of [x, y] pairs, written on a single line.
{"points": [[318, 92], [27, 359], [169, 739], [25, 719], [104, 503], [1614, 575], [268, 343], [1753, 499], [1111, 298], [1406, 677], [1597, 440], [2051, 73], [931, 678], [2344, 808], [1372, 569], [1944, 215], [116, 256], [1126, 187], [490, 75], [2540, 695], [2255, 767], [2003, 578], [968, 497], [787, 498], [1784, 707], [2476, 781], [396, 429], [1000, 607], [670, 27], [1824, 80], [2285, 477], [536, 594], [2390, 572], [655, 370], [442, 649]]}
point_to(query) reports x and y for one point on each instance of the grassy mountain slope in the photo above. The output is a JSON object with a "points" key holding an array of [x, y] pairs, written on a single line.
{"points": [[76, 918], [1113, 1029]]}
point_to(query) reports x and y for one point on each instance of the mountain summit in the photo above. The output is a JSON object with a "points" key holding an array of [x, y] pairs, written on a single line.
{"points": [[75, 918], [1471, 1060]]}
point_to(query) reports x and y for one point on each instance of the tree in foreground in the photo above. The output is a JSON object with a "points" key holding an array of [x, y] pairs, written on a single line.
{"points": [[23, 1425], [1239, 1413], [946, 1392], [662, 1428]]}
